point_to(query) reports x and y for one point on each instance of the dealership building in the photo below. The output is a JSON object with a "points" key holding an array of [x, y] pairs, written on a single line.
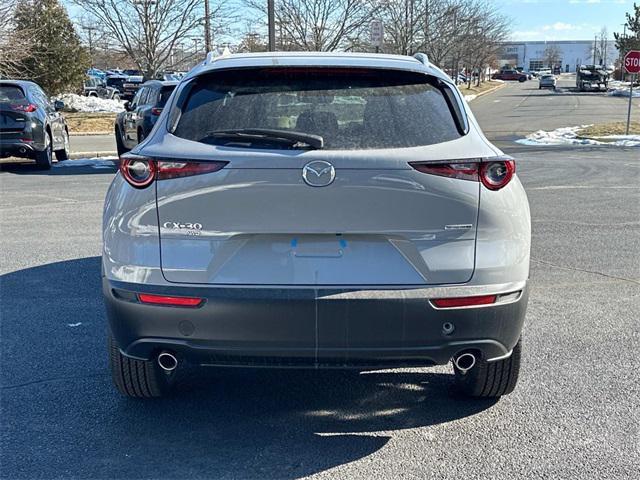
{"points": [[530, 55]]}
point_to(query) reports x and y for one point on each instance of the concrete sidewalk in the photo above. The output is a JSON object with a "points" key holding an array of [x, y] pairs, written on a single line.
{"points": [[92, 146]]}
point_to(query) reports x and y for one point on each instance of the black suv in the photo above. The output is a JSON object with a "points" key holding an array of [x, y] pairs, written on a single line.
{"points": [[31, 126], [141, 114]]}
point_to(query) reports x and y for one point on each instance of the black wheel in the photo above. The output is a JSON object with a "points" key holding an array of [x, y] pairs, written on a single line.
{"points": [[137, 378], [141, 136], [116, 97], [120, 144], [491, 379], [63, 154], [44, 159]]}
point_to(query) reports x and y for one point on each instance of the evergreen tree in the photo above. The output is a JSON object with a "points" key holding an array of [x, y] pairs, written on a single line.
{"points": [[630, 41], [56, 61]]}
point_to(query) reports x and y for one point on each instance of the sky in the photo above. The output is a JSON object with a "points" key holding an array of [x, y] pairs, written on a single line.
{"points": [[564, 19]]}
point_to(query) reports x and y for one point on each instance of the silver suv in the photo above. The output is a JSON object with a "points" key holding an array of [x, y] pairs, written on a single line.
{"points": [[316, 210]]}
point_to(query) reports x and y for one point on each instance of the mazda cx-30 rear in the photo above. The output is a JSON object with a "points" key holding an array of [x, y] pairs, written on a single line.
{"points": [[316, 210]]}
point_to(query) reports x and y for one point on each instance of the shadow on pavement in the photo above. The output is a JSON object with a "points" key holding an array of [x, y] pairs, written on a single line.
{"points": [[68, 167], [61, 417]]}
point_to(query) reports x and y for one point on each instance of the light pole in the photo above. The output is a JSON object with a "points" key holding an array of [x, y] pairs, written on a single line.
{"points": [[207, 27], [272, 25]]}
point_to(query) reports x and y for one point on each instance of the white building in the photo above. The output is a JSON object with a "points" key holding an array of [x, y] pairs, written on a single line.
{"points": [[531, 55]]}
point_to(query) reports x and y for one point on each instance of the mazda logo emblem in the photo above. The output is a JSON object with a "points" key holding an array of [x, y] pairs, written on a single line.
{"points": [[318, 173]]}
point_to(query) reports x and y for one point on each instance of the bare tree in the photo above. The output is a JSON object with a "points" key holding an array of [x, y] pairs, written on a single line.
{"points": [[318, 25], [453, 33], [148, 31], [552, 55], [15, 43]]}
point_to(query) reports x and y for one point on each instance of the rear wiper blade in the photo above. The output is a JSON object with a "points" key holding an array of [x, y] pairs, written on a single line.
{"points": [[314, 141]]}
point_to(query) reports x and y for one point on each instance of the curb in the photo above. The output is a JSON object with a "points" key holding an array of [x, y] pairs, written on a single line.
{"points": [[486, 92], [75, 155], [85, 134]]}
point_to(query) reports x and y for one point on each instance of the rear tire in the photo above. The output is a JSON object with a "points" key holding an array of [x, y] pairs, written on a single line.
{"points": [[44, 159], [137, 378], [491, 379]]}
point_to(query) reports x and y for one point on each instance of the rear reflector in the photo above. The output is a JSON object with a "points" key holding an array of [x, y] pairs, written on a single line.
{"points": [[172, 301], [464, 301]]}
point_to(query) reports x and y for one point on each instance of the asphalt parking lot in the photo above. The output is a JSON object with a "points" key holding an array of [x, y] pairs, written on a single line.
{"points": [[573, 415]]}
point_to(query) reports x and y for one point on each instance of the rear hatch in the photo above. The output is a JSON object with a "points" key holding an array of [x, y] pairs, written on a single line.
{"points": [[282, 212], [13, 110]]}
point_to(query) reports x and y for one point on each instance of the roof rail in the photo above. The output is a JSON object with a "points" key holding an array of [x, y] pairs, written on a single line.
{"points": [[422, 58]]}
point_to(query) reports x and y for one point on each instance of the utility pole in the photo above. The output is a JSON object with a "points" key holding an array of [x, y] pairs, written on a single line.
{"points": [[595, 47], [207, 27], [272, 25], [90, 31]]}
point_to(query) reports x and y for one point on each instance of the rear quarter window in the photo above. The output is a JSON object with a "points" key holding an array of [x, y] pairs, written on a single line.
{"points": [[350, 108]]}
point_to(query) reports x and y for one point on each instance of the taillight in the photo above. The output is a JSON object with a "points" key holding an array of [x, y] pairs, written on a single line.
{"points": [[21, 107], [176, 169], [156, 111], [170, 301], [494, 173], [141, 171]]}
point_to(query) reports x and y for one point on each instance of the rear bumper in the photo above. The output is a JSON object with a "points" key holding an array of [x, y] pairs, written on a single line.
{"points": [[17, 148], [309, 327]]}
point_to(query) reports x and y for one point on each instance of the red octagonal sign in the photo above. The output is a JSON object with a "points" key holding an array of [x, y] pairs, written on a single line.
{"points": [[632, 61]]}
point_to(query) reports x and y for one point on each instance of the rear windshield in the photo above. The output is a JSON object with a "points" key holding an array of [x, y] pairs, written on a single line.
{"points": [[165, 93], [350, 108], [11, 93]]}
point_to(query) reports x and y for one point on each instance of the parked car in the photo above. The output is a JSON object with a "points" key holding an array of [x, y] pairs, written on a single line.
{"points": [[130, 86], [96, 72], [547, 81], [95, 87], [316, 210], [116, 82], [590, 77], [140, 115], [30, 125], [510, 75]]}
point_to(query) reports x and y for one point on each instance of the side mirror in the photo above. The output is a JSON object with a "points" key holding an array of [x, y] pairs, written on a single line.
{"points": [[58, 105], [127, 106]]}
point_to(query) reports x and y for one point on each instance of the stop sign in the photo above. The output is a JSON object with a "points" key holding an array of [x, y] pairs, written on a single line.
{"points": [[632, 61]]}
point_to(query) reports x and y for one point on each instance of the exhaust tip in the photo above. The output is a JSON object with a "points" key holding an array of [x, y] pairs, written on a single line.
{"points": [[167, 361], [465, 361]]}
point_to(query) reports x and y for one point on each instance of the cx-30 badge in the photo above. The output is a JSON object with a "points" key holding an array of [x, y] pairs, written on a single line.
{"points": [[318, 173]]}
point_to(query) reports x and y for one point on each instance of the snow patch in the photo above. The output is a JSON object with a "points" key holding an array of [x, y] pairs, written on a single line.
{"points": [[621, 89], [468, 98], [79, 103], [98, 163], [569, 136]]}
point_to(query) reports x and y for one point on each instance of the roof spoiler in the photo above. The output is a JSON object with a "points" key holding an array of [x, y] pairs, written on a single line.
{"points": [[422, 58], [215, 54]]}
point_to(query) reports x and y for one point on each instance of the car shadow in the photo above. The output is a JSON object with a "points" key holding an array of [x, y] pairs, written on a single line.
{"points": [[93, 166], [63, 418]]}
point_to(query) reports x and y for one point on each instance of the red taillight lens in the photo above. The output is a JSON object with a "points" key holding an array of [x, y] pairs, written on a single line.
{"points": [[176, 169], [139, 171], [463, 171], [170, 301], [494, 173], [464, 301], [21, 107], [156, 111]]}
